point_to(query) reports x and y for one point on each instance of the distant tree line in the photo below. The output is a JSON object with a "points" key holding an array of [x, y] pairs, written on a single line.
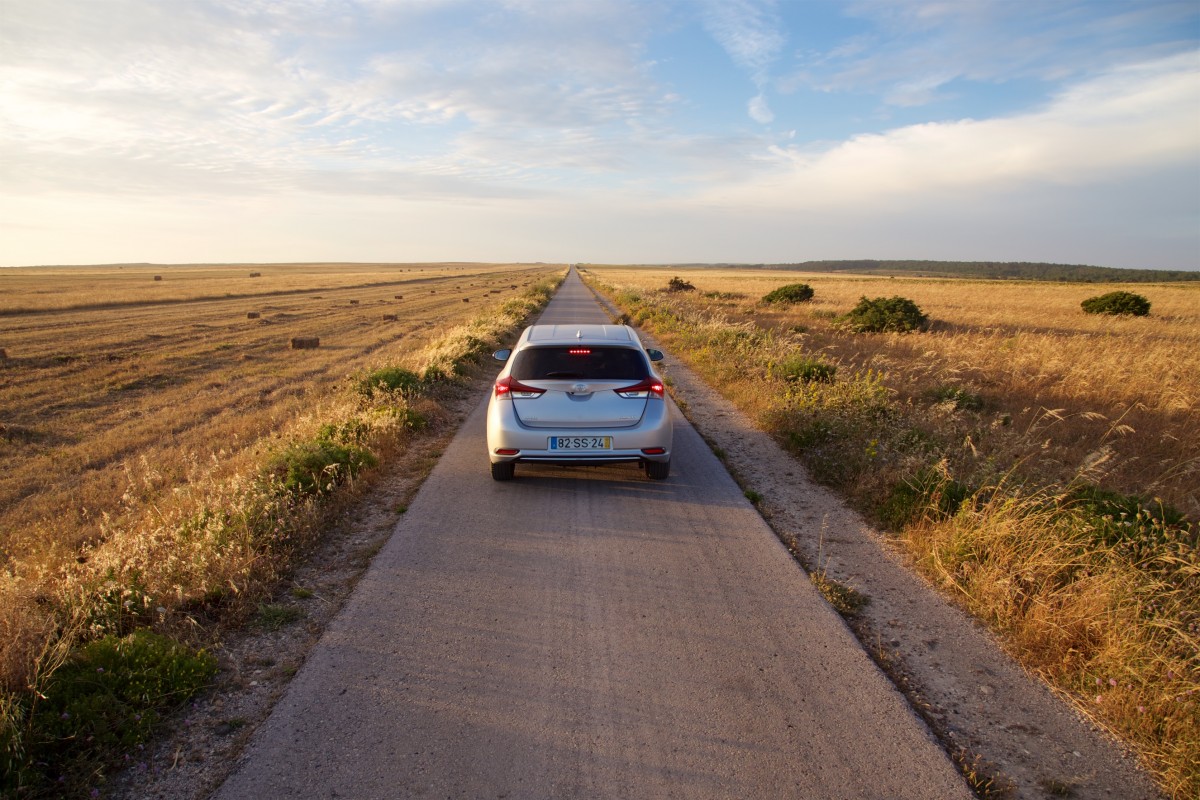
{"points": [[1021, 270]]}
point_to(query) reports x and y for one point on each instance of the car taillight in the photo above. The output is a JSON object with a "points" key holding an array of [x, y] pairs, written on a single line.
{"points": [[647, 388], [516, 389]]}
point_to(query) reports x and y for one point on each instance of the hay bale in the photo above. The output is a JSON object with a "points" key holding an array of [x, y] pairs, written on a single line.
{"points": [[253, 315], [305, 342], [353, 302], [466, 299], [3, 354], [389, 317], [158, 277], [255, 274], [399, 297]]}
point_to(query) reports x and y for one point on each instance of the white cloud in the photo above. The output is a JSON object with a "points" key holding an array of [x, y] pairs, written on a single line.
{"points": [[1131, 119], [759, 110]]}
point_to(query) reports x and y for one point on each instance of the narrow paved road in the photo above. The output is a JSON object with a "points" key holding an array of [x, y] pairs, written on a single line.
{"points": [[587, 633]]}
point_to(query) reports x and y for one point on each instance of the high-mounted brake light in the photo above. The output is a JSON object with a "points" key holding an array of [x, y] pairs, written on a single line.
{"points": [[580, 351], [647, 388], [506, 386]]}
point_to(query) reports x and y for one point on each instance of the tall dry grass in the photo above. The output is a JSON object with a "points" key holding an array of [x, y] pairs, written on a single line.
{"points": [[1032, 458]]}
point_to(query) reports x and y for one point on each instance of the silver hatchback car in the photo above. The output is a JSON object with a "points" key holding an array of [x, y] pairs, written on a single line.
{"points": [[578, 395]]}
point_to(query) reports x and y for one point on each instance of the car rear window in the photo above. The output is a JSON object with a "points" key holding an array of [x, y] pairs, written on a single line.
{"points": [[580, 362]]}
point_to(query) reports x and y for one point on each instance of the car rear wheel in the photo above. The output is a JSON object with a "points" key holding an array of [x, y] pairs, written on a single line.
{"points": [[658, 470], [503, 471]]}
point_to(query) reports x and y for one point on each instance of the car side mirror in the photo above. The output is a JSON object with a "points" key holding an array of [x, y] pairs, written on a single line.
{"points": [[655, 355], [502, 355]]}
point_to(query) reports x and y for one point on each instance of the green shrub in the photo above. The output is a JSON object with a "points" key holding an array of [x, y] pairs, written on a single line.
{"points": [[105, 701], [792, 293], [316, 467], [679, 285], [274, 616], [885, 314], [388, 379], [1117, 303], [806, 369]]}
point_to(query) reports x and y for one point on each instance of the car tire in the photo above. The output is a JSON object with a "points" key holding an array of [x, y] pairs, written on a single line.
{"points": [[503, 471], [658, 470]]}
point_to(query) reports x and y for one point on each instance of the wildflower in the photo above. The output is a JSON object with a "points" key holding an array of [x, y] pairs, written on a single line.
{"points": [[1112, 681], [99, 669], [1141, 709], [1099, 697]]}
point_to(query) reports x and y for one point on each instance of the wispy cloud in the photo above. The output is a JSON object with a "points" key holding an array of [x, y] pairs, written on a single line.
{"points": [[248, 93], [750, 31], [914, 49]]}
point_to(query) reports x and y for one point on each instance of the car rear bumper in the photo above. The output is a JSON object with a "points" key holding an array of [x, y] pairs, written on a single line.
{"points": [[505, 433]]}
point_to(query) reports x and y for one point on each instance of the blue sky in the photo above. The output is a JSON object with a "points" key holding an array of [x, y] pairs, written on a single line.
{"points": [[626, 131]]}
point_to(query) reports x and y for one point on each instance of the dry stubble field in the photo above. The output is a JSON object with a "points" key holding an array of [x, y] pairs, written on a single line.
{"points": [[112, 376]]}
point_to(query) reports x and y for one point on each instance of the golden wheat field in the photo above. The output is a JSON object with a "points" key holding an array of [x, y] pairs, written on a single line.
{"points": [[1079, 383], [116, 370]]}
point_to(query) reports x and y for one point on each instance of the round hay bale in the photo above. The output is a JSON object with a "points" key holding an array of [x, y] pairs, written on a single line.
{"points": [[255, 274], [158, 277], [389, 318], [353, 302], [253, 315], [305, 342], [399, 297]]}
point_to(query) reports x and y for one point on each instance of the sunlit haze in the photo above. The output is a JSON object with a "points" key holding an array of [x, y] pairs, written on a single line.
{"points": [[619, 131]]}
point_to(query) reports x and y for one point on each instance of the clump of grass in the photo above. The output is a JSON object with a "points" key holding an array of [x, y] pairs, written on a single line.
{"points": [[274, 616], [930, 493], [318, 466], [1117, 304], [845, 600], [388, 379], [805, 368], [960, 398], [678, 284]]}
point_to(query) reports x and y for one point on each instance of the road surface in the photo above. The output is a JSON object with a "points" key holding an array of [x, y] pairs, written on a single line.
{"points": [[588, 633]]}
